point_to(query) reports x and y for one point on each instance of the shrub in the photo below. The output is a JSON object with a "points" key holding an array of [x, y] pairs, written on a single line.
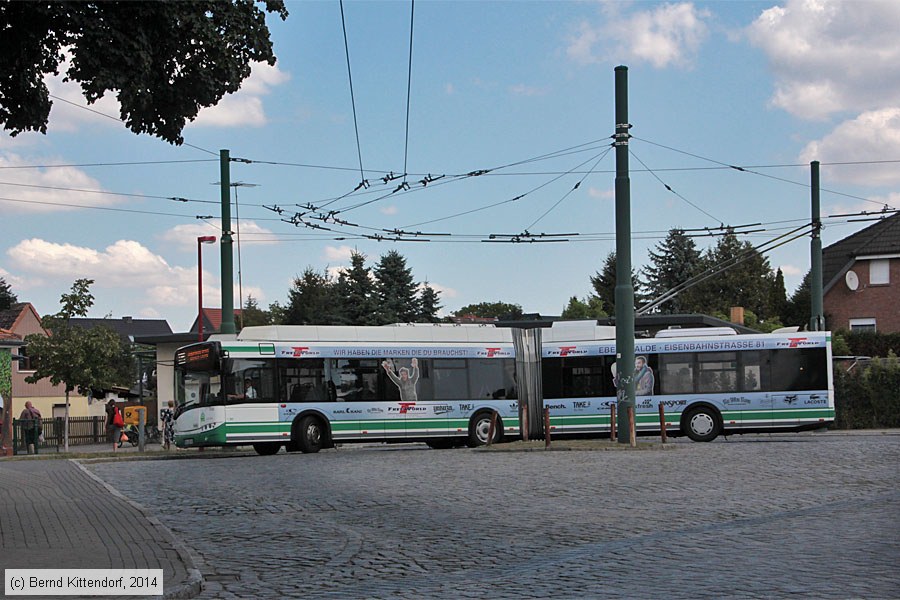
{"points": [[870, 396]]}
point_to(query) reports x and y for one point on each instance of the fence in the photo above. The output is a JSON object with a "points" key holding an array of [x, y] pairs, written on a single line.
{"points": [[82, 430]]}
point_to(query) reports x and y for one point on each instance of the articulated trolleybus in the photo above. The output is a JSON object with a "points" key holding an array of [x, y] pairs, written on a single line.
{"points": [[309, 387]]}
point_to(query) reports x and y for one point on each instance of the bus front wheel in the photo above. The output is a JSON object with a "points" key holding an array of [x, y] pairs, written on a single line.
{"points": [[311, 434], [479, 429], [701, 424]]}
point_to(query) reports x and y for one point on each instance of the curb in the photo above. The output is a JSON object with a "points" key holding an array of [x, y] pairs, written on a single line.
{"points": [[194, 584]]}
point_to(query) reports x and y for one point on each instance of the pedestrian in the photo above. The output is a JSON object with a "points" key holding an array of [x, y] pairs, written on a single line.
{"points": [[114, 424], [31, 427], [167, 415]]}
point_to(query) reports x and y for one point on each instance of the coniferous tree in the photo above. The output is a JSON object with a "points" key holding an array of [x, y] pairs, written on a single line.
{"points": [[310, 300], [747, 281], [674, 261], [252, 315], [395, 290], [589, 308], [604, 283], [360, 302], [799, 307], [429, 304], [778, 296], [7, 297]]}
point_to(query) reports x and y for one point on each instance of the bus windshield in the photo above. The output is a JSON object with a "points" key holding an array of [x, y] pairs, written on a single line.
{"points": [[194, 388]]}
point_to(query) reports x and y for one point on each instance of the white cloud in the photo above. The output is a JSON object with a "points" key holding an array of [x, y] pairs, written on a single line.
{"points": [[335, 272], [606, 194], [872, 136], [668, 35], [390, 209], [338, 254], [185, 236], [29, 187], [449, 89], [126, 267], [445, 291], [792, 271], [244, 107], [831, 56]]}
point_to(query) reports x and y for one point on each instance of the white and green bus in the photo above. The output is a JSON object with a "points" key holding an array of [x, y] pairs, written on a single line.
{"points": [[310, 387]]}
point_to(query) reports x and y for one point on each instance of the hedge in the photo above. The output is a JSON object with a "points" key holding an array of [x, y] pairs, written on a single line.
{"points": [[868, 396], [868, 343]]}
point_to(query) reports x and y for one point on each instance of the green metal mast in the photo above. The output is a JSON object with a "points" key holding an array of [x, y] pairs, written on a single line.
{"points": [[624, 286], [227, 260], [817, 316]]}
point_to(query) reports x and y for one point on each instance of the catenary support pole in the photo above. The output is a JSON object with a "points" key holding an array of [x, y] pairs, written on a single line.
{"points": [[227, 260], [817, 313], [624, 292]]}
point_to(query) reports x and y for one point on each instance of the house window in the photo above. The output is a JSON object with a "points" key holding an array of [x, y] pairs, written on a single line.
{"points": [[26, 363], [880, 271], [862, 325]]}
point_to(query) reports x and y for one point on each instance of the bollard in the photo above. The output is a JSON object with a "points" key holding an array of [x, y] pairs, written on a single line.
{"points": [[662, 422], [612, 422], [523, 426], [492, 428], [546, 427], [142, 421], [631, 426]]}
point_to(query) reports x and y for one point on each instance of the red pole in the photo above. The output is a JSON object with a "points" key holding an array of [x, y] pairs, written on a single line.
{"points": [[546, 427], [631, 426], [662, 422]]}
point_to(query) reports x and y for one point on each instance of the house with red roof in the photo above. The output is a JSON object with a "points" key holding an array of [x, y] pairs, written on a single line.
{"points": [[861, 279]]}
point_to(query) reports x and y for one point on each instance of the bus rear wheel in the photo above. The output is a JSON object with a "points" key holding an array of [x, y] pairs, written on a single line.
{"points": [[479, 429], [701, 424], [311, 435], [267, 448]]}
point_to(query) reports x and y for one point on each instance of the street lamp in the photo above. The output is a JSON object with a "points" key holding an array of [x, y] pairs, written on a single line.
{"points": [[203, 239]]}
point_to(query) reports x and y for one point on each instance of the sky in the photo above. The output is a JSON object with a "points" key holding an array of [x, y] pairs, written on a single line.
{"points": [[524, 91]]}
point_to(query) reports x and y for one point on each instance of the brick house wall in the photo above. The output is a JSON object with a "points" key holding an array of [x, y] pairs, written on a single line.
{"points": [[879, 302]]}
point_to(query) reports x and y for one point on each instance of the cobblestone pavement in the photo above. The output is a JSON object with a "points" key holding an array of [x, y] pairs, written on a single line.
{"points": [[800, 516], [54, 515]]}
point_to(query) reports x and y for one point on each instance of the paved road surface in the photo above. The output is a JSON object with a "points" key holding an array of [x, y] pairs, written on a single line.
{"points": [[799, 516]]}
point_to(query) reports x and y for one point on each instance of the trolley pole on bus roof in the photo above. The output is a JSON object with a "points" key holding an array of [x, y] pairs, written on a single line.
{"points": [[624, 286], [817, 317], [227, 261]]}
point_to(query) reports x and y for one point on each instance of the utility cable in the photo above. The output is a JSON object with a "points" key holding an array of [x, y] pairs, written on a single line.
{"points": [[97, 112], [575, 187], [362, 174], [412, 12], [668, 187], [750, 170]]}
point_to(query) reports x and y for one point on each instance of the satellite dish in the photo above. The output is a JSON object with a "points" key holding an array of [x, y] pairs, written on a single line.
{"points": [[852, 280]]}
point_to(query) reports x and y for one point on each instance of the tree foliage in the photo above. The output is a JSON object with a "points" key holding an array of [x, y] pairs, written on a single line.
{"points": [[429, 304], [490, 310], [674, 261], [360, 305], [589, 308], [747, 282], [80, 359], [7, 297], [310, 300], [798, 308], [604, 284], [252, 315], [395, 290], [164, 60]]}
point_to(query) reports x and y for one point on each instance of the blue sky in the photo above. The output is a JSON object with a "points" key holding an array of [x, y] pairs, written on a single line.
{"points": [[771, 85]]}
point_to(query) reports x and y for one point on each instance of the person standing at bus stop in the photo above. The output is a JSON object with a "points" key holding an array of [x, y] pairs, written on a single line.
{"points": [[31, 427], [114, 424], [167, 416]]}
